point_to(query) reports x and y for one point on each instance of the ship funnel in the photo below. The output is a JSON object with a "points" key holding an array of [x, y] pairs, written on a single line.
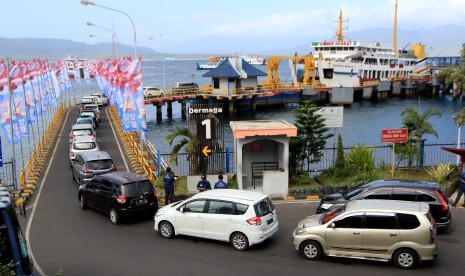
{"points": [[419, 50]]}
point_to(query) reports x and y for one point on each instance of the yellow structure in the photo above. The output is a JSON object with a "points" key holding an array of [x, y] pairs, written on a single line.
{"points": [[308, 62], [419, 50]]}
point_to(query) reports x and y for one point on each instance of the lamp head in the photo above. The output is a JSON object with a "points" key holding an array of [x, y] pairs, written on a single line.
{"points": [[90, 24], [87, 2]]}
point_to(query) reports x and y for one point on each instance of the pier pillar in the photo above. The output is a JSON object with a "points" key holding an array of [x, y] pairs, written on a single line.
{"points": [[396, 88], [183, 111], [253, 106], [367, 93], [169, 110], [231, 108], [342, 95], [159, 114]]}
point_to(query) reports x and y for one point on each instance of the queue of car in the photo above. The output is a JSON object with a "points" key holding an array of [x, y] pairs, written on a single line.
{"points": [[385, 220]]}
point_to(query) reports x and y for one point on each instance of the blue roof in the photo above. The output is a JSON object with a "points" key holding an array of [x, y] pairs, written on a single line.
{"points": [[226, 70]]}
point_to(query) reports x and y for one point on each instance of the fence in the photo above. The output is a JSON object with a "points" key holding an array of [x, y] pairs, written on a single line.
{"points": [[432, 154]]}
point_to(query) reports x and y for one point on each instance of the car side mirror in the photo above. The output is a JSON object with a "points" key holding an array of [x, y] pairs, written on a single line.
{"points": [[181, 210], [332, 225]]}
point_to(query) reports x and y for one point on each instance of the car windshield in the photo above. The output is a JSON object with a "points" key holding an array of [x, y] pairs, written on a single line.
{"points": [[84, 121], [330, 215], [84, 145], [137, 188], [103, 164], [82, 132], [355, 192]]}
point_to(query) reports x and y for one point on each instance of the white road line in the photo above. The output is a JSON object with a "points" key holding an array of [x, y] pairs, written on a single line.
{"points": [[34, 205], [117, 141]]}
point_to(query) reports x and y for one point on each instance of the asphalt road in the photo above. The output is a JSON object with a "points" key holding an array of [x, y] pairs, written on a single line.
{"points": [[62, 237]]}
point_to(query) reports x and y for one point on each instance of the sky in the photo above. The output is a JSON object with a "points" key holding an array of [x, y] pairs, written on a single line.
{"points": [[195, 26]]}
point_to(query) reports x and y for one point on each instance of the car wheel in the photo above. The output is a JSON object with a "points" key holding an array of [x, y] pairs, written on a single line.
{"points": [[166, 229], [83, 201], [239, 241], [311, 250], [405, 258], [114, 216]]}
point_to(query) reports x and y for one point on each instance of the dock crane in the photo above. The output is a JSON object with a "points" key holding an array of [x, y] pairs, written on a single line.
{"points": [[273, 80]]}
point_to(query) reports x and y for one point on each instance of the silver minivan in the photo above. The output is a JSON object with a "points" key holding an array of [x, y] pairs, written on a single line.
{"points": [[382, 230]]}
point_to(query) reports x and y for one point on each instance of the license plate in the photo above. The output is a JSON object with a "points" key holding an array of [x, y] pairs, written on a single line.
{"points": [[141, 201], [270, 221]]}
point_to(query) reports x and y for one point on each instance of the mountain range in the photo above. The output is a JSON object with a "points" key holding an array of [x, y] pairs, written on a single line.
{"points": [[439, 41]]}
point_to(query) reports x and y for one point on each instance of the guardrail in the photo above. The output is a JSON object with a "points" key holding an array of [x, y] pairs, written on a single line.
{"points": [[139, 159]]}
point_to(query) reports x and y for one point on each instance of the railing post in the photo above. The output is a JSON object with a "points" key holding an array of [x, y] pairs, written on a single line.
{"points": [[227, 160], [422, 152], [158, 162]]}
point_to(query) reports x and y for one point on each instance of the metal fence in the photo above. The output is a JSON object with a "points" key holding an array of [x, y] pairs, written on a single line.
{"points": [[433, 154]]}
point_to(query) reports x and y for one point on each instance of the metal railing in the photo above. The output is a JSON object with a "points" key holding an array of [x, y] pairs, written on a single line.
{"points": [[432, 154]]}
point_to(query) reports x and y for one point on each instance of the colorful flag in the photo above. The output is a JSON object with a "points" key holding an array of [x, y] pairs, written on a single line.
{"points": [[16, 86]]}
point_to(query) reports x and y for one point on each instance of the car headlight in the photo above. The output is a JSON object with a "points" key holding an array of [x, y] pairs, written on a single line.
{"points": [[326, 205], [301, 231]]}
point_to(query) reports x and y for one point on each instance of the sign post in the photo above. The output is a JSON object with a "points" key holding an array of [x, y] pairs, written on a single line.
{"points": [[394, 135], [333, 118]]}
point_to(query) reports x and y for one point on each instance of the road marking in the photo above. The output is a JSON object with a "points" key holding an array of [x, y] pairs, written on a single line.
{"points": [[117, 141], [42, 183], [34, 205]]}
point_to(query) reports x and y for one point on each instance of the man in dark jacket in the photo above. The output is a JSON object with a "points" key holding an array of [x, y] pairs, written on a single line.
{"points": [[220, 184], [168, 181], [203, 184]]}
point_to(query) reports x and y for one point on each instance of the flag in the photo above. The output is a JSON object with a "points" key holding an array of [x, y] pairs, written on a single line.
{"points": [[16, 86]]}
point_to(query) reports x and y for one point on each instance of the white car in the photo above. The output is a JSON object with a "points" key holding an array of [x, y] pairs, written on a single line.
{"points": [[101, 99], [150, 92], [81, 130], [243, 218], [80, 144]]}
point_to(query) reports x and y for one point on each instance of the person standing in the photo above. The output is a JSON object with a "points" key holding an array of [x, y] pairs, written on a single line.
{"points": [[220, 184], [168, 181], [203, 184], [460, 190]]}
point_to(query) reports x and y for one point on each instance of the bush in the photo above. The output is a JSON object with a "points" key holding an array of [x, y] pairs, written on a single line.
{"points": [[441, 172]]}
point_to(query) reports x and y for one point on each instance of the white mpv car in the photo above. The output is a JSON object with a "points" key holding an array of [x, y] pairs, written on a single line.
{"points": [[242, 218]]}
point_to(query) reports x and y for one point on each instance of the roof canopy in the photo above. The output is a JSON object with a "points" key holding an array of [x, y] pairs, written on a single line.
{"points": [[243, 129], [460, 152], [231, 68]]}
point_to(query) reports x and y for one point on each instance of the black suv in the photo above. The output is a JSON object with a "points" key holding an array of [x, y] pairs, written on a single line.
{"points": [[407, 190], [119, 194]]}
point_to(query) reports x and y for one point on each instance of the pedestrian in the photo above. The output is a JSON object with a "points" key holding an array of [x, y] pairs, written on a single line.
{"points": [[220, 184], [168, 181], [461, 189], [203, 184]]}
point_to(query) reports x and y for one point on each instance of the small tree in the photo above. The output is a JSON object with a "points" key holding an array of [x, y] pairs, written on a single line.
{"points": [[418, 125], [340, 164], [455, 75], [311, 138], [360, 164]]}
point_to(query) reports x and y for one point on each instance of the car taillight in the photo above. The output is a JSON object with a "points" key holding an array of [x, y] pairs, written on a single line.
{"points": [[121, 199], [113, 167], [86, 170], [71, 137], [445, 206], [254, 221], [432, 235], [71, 154]]}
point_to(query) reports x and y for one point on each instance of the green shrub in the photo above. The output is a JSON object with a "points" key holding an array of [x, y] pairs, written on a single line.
{"points": [[441, 172]]}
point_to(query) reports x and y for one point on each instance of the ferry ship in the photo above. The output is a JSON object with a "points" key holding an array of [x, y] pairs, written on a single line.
{"points": [[70, 63], [353, 65], [214, 61]]}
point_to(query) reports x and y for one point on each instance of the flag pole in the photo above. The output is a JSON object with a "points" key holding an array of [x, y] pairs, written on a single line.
{"points": [[11, 124]]}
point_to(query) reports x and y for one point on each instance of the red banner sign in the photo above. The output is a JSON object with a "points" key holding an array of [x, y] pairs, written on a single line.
{"points": [[394, 135]]}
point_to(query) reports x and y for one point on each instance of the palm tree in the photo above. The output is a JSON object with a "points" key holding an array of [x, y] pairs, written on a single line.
{"points": [[455, 75], [418, 125], [188, 141]]}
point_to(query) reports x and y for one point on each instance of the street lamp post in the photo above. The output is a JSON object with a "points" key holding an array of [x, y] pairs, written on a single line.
{"points": [[114, 39], [163, 61], [88, 2]]}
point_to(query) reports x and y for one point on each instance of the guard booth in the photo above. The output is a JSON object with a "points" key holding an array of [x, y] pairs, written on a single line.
{"points": [[261, 151]]}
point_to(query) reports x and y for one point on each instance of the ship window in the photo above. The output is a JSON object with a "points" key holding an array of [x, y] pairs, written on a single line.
{"points": [[328, 73], [332, 48], [351, 48]]}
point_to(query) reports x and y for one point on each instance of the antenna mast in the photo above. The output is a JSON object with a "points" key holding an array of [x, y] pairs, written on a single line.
{"points": [[394, 40], [339, 35]]}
